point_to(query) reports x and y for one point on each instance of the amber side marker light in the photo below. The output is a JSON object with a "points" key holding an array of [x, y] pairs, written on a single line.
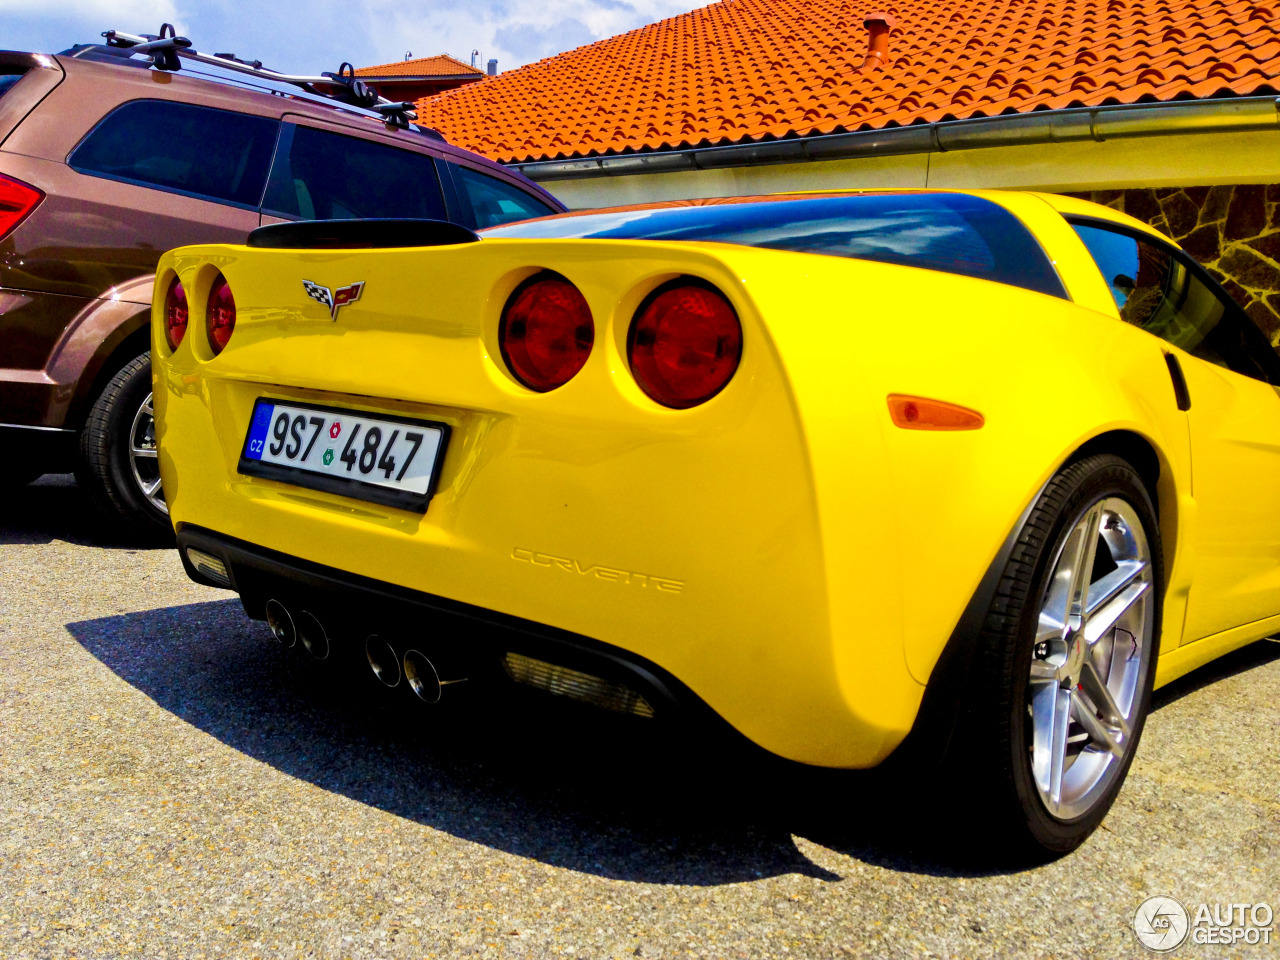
{"points": [[921, 413]]}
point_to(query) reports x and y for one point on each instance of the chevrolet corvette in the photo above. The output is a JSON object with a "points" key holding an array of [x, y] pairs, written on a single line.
{"points": [[951, 476]]}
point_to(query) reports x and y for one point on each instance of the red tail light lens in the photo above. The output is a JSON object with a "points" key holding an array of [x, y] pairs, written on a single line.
{"points": [[175, 314], [684, 344], [546, 332], [221, 315], [17, 199]]}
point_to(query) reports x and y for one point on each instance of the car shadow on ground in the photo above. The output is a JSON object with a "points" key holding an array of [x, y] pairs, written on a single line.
{"points": [[54, 508], [525, 774], [521, 772]]}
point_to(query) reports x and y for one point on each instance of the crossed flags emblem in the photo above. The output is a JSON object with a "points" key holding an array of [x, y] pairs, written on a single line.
{"points": [[336, 298]]}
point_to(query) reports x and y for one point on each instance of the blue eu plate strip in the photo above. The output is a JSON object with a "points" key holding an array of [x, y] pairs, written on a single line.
{"points": [[258, 430]]}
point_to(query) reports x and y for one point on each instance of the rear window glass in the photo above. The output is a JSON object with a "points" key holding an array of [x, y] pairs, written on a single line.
{"points": [[320, 175], [954, 233], [493, 201], [208, 153], [7, 80]]}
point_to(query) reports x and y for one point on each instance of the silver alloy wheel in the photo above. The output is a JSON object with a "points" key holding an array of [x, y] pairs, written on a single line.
{"points": [[144, 458], [1092, 654]]}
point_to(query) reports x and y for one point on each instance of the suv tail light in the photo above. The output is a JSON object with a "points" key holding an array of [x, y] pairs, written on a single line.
{"points": [[220, 318], [685, 343], [546, 332], [17, 199], [175, 314]]}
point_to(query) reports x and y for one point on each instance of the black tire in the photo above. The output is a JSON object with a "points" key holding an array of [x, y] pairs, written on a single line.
{"points": [[1002, 728], [105, 469]]}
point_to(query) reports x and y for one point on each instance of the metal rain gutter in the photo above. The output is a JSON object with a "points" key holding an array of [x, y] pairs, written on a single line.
{"points": [[1019, 129]]}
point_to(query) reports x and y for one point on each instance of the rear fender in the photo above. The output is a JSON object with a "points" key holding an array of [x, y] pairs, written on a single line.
{"points": [[913, 519], [87, 354]]}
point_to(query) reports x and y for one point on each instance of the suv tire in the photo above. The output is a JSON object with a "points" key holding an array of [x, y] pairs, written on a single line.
{"points": [[117, 465]]}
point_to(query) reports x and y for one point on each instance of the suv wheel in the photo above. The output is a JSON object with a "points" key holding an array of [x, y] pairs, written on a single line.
{"points": [[119, 465]]}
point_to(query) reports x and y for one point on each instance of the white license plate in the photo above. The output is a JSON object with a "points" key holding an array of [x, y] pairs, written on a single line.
{"points": [[389, 460]]}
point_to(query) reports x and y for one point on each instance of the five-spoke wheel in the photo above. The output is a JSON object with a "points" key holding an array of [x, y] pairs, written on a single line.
{"points": [[1092, 652], [1065, 659]]}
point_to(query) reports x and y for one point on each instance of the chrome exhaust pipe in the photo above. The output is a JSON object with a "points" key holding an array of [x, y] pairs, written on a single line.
{"points": [[424, 679], [312, 634], [281, 623], [382, 660]]}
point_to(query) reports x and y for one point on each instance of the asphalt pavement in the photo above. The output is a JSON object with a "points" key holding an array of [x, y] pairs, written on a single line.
{"points": [[175, 784]]}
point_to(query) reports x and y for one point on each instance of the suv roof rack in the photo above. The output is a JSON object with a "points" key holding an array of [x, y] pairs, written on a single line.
{"points": [[168, 50]]}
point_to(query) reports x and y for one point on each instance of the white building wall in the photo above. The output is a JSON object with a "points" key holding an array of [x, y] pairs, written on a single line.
{"points": [[1202, 159]]}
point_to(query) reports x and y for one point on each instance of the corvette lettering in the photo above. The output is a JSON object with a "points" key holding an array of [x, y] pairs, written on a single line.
{"points": [[614, 574], [334, 299]]}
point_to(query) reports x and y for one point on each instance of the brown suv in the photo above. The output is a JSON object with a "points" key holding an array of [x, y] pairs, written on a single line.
{"points": [[111, 155]]}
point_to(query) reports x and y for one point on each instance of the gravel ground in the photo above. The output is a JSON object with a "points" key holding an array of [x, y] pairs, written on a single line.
{"points": [[173, 784]]}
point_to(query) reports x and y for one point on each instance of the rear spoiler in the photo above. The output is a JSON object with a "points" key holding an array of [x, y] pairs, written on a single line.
{"points": [[358, 234]]}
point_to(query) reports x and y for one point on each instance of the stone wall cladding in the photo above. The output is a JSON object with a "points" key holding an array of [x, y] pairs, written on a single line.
{"points": [[1233, 230]]}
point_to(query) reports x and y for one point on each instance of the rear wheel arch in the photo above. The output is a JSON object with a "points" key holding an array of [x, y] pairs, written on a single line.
{"points": [[1127, 445], [127, 341], [1153, 467], [937, 718]]}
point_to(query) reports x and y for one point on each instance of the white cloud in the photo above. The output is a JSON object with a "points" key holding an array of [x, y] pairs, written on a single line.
{"points": [[307, 36], [514, 33], [105, 11]]}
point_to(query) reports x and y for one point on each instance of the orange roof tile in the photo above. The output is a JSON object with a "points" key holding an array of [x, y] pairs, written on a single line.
{"points": [[742, 70], [441, 65]]}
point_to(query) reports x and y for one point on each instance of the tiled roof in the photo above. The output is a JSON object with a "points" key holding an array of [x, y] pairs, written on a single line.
{"points": [[441, 65], [743, 70]]}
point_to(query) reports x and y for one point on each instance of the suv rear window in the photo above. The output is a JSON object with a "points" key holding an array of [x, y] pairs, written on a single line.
{"points": [[492, 201], [206, 153], [326, 176], [951, 232], [7, 80]]}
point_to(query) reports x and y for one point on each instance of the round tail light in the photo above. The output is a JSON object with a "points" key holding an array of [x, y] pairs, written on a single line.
{"points": [[220, 318], [546, 332], [684, 344], [175, 314]]}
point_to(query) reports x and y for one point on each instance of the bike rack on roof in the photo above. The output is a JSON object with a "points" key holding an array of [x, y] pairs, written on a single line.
{"points": [[167, 51]]}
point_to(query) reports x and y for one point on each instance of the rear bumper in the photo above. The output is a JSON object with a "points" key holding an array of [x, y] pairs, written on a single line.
{"points": [[469, 640], [732, 602]]}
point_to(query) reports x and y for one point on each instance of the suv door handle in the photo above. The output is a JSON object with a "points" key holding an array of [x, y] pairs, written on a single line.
{"points": [[1180, 391]]}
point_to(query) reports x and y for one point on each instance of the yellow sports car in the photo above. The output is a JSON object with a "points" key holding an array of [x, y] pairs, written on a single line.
{"points": [[960, 474]]}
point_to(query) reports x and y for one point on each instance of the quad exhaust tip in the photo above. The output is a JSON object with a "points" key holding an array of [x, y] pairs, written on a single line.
{"points": [[423, 679], [382, 660], [281, 623], [312, 634]]}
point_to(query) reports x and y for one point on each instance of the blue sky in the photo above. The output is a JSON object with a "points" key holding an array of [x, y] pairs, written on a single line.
{"points": [[308, 36]]}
